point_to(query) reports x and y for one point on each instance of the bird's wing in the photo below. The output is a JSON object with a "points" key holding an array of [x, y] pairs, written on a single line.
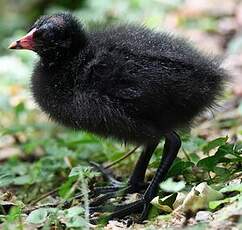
{"points": [[139, 82], [113, 74]]}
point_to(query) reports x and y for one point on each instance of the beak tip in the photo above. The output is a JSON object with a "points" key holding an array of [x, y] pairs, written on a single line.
{"points": [[26, 42], [12, 45]]}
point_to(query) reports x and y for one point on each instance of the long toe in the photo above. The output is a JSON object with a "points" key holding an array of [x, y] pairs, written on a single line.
{"points": [[128, 209], [120, 211], [102, 199], [109, 207], [96, 191]]}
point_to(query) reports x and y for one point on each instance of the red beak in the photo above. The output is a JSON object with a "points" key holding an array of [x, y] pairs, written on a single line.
{"points": [[25, 42]]}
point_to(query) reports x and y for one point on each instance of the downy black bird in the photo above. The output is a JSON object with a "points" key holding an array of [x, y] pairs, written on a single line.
{"points": [[125, 82]]}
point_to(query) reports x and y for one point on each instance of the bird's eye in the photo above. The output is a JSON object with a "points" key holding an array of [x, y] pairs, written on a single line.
{"points": [[38, 34], [44, 34]]}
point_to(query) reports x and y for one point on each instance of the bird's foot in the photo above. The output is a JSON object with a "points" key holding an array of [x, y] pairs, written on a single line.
{"points": [[100, 195], [117, 190], [120, 211], [115, 187]]}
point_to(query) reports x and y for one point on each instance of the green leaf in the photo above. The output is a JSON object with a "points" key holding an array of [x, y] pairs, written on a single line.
{"points": [[74, 211], [179, 167], [66, 187], [165, 204], [6, 180], [215, 143], [38, 216], [214, 204], [209, 163], [193, 144], [76, 222], [21, 180], [171, 186], [223, 173], [86, 171], [73, 217], [194, 158], [232, 188], [20, 108], [15, 212]]}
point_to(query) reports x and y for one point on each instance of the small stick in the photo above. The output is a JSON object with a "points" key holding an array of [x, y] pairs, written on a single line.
{"points": [[122, 158], [44, 196]]}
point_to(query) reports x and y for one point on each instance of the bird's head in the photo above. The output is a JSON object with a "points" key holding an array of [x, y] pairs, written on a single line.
{"points": [[53, 37]]}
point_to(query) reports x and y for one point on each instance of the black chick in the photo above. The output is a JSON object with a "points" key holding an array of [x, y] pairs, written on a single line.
{"points": [[126, 82]]}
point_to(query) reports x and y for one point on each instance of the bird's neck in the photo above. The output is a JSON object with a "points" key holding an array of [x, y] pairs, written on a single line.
{"points": [[55, 61], [55, 87]]}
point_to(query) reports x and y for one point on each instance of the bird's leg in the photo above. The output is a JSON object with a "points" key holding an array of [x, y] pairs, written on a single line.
{"points": [[136, 181], [171, 148]]}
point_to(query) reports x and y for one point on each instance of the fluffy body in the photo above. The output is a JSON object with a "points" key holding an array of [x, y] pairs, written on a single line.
{"points": [[126, 82]]}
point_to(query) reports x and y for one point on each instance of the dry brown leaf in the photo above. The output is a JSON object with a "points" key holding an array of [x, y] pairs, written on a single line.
{"points": [[8, 152]]}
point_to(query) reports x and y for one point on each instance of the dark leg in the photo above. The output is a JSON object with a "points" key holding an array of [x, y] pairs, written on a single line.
{"points": [[171, 148], [137, 178], [136, 182], [138, 175]]}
